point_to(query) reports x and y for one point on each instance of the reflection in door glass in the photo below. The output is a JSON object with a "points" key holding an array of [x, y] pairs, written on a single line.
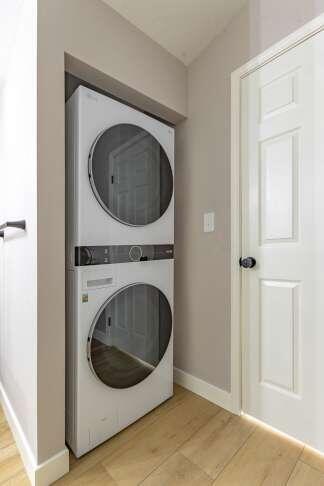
{"points": [[130, 336], [130, 175]]}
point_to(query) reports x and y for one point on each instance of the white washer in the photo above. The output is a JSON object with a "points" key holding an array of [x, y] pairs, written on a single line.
{"points": [[120, 174], [119, 342]]}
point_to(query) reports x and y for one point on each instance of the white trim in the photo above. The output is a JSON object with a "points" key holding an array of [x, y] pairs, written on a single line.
{"points": [[20, 438], [292, 40], [39, 474], [52, 469], [296, 38], [235, 245], [222, 398]]}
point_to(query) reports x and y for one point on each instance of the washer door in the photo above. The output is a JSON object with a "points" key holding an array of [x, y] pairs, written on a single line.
{"points": [[130, 175], [129, 335]]}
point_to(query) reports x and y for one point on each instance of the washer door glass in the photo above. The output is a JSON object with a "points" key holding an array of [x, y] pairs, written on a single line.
{"points": [[130, 175], [129, 336]]}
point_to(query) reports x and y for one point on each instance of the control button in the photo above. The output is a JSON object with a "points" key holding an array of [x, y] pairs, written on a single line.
{"points": [[135, 253]]}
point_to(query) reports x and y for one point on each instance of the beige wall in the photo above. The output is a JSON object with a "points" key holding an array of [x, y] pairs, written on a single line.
{"points": [[272, 20], [202, 277], [126, 60]]}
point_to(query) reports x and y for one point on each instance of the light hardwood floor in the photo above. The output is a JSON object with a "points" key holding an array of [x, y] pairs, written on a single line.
{"points": [[187, 441]]}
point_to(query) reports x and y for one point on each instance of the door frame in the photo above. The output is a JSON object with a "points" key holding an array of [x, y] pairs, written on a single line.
{"points": [[309, 30]]}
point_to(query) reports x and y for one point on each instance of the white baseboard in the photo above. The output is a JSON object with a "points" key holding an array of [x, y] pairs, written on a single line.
{"points": [[212, 393], [52, 469], [39, 474]]}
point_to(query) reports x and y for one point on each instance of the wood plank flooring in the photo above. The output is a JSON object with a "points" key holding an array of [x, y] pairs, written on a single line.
{"points": [[187, 441]]}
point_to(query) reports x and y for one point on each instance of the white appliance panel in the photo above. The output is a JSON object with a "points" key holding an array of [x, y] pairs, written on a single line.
{"points": [[89, 114], [95, 411]]}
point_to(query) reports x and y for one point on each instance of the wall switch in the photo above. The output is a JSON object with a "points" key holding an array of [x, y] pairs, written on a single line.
{"points": [[209, 222]]}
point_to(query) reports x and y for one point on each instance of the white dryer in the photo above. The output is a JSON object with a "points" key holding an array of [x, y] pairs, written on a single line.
{"points": [[120, 174], [119, 340]]}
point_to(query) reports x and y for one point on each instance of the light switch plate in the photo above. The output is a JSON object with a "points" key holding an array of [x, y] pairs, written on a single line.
{"points": [[209, 222]]}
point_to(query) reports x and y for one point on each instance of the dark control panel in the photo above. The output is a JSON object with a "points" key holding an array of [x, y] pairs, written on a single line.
{"points": [[103, 255]]}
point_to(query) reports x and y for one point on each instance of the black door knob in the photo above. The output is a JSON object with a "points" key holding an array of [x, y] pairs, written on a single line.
{"points": [[247, 262]]}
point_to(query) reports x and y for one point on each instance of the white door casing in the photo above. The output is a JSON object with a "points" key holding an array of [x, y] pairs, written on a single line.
{"points": [[282, 203]]}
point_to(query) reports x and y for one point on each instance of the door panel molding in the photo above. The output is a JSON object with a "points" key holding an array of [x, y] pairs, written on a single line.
{"points": [[279, 158], [273, 101], [280, 370]]}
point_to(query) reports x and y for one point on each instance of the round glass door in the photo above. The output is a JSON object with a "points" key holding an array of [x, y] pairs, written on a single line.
{"points": [[129, 336], [130, 175]]}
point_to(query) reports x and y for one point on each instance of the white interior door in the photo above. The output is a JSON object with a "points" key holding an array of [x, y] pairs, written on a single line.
{"points": [[135, 194], [135, 323], [282, 154], [2, 306]]}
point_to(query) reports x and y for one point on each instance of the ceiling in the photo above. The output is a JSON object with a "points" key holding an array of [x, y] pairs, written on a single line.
{"points": [[182, 27]]}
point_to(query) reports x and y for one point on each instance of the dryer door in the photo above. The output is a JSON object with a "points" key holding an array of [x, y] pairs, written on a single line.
{"points": [[130, 335], [130, 175]]}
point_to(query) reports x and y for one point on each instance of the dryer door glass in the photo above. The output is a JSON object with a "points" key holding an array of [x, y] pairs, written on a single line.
{"points": [[129, 336], [130, 175]]}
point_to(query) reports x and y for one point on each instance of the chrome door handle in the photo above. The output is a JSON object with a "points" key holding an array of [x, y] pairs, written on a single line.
{"points": [[12, 224]]}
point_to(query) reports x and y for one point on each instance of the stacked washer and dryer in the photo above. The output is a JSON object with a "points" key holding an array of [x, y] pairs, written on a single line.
{"points": [[120, 226]]}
